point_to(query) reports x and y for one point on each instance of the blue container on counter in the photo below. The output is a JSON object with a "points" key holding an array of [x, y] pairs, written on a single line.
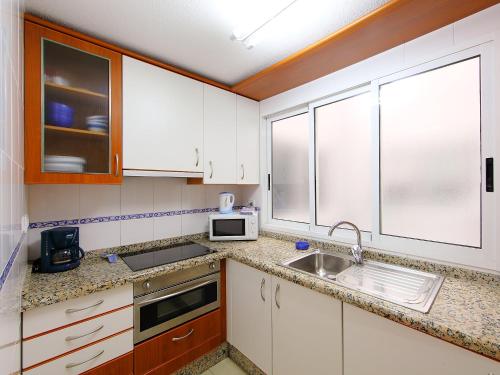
{"points": [[59, 114], [302, 245]]}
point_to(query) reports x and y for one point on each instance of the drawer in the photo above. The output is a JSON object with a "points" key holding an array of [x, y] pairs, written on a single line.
{"points": [[123, 365], [53, 344], [86, 358], [169, 345], [43, 319]]}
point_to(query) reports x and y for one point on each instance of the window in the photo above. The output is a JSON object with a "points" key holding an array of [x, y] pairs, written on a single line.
{"points": [[290, 171], [343, 161], [402, 157], [430, 155]]}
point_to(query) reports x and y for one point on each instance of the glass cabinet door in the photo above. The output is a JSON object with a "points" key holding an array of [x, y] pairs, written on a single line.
{"points": [[76, 116], [73, 109]]}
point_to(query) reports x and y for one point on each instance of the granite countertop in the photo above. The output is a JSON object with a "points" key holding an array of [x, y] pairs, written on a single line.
{"points": [[466, 311]]}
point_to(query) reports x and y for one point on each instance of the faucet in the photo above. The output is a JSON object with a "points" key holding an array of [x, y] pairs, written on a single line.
{"points": [[356, 250]]}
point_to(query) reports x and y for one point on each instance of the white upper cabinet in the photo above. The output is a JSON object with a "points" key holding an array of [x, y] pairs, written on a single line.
{"points": [[247, 129], [220, 136], [162, 119]]}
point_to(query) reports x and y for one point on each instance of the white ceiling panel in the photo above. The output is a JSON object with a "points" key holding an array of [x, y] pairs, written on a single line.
{"points": [[195, 34]]}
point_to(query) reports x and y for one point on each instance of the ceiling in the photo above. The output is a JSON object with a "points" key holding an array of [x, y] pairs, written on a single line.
{"points": [[195, 34]]}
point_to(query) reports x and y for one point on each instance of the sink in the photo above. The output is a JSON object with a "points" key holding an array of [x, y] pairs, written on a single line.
{"points": [[400, 285], [322, 265]]}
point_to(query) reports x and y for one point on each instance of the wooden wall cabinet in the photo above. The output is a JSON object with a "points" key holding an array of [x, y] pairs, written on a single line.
{"points": [[72, 109]]}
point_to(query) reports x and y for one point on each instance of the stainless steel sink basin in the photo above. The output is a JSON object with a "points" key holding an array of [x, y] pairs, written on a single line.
{"points": [[403, 286], [322, 265]]}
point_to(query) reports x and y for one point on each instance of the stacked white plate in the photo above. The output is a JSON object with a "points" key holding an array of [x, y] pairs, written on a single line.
{"points": [[98, 123], [57, 163]]}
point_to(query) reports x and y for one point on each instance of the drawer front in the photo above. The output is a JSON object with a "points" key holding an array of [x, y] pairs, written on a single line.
{"points": [[53, 344], [123, 365], [86, 358], [169, 345], [47, 318]]}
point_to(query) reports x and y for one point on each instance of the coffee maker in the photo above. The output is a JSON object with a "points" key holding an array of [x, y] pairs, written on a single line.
{"points": [[60, 250]]}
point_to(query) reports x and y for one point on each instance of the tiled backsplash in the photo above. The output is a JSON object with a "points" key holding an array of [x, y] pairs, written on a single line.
{"points": [[12, 196], [141, 209]]}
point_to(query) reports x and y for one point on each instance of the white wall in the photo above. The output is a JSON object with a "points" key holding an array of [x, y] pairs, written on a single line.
{"points": [[477, 29], [137, 195], [12, 206]]}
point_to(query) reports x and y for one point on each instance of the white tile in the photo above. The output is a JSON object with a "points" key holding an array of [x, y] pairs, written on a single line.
{"points": [[136, 195], [193, 196], [226, 367], [167, 227], [168, 194], [53, 202], [477, 25], [135, 231], [6, 237], [34, 243], [99, 200], [194, 223], [100, 235], [428, 45]]}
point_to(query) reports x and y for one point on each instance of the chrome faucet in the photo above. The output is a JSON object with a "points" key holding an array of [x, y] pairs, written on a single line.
{"points": [[356, 250]]}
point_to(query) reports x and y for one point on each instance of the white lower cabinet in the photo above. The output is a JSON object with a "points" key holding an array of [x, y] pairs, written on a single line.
{"points": [[301, 336], [307, 331], [249, 313], [376, 345]]}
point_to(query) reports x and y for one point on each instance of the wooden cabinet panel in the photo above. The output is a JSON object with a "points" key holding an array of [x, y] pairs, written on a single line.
{"points": [[248, 138], [219, 136], [249, 313], [373, 343], [72, 109], [307, 331], [162, 119], [173, 349], [123, 365]]}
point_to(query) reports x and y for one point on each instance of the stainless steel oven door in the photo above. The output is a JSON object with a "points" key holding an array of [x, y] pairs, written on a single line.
{"points": [[162, 310]]}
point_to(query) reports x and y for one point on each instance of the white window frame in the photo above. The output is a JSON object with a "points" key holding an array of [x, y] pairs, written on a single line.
{"points": [[285, 224], [483, 258], [340, 234]]}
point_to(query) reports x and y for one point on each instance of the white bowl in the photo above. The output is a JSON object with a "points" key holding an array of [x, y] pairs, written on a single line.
{"points": [[60, 159]]}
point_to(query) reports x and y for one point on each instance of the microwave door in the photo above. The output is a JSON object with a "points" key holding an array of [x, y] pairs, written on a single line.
{"points": [[228, 227]]}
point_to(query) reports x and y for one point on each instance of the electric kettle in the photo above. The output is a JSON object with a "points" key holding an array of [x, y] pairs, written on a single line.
{"points": [[226, 202]]}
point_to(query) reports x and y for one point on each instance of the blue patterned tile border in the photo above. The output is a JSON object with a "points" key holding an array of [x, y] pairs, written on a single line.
{"points": [[10, 262], [104, 219]]}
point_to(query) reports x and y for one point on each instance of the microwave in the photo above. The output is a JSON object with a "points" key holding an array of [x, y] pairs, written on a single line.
{"points": [[233, 227]]}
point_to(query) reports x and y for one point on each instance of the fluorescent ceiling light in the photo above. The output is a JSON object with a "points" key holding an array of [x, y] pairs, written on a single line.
{"points": [[258, 22]]}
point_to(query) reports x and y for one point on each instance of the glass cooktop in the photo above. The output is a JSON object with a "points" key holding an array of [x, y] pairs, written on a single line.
{"points": [[140, 260]]}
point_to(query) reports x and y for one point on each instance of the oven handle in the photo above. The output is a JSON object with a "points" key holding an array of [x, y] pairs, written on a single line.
{"points": [[147, 302]]}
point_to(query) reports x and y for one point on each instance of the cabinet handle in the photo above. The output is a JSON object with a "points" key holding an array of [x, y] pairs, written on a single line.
{"points": [[276, 296], [242, 171], [183, 337], [197, 156], [117, 163], [262, 284], [71, 338], [71, 311], [211, 168], [71, 365]]}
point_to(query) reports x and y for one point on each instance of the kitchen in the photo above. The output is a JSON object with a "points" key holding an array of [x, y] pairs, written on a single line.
{"points": [[230, 187]]}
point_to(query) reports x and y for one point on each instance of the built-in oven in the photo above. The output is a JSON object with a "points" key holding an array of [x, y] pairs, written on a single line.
{"points": [[167, 301]]}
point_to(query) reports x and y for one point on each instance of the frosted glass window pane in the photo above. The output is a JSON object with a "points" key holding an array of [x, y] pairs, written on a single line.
{"points": [[290, 168], [343, 163], [430, 161]]}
